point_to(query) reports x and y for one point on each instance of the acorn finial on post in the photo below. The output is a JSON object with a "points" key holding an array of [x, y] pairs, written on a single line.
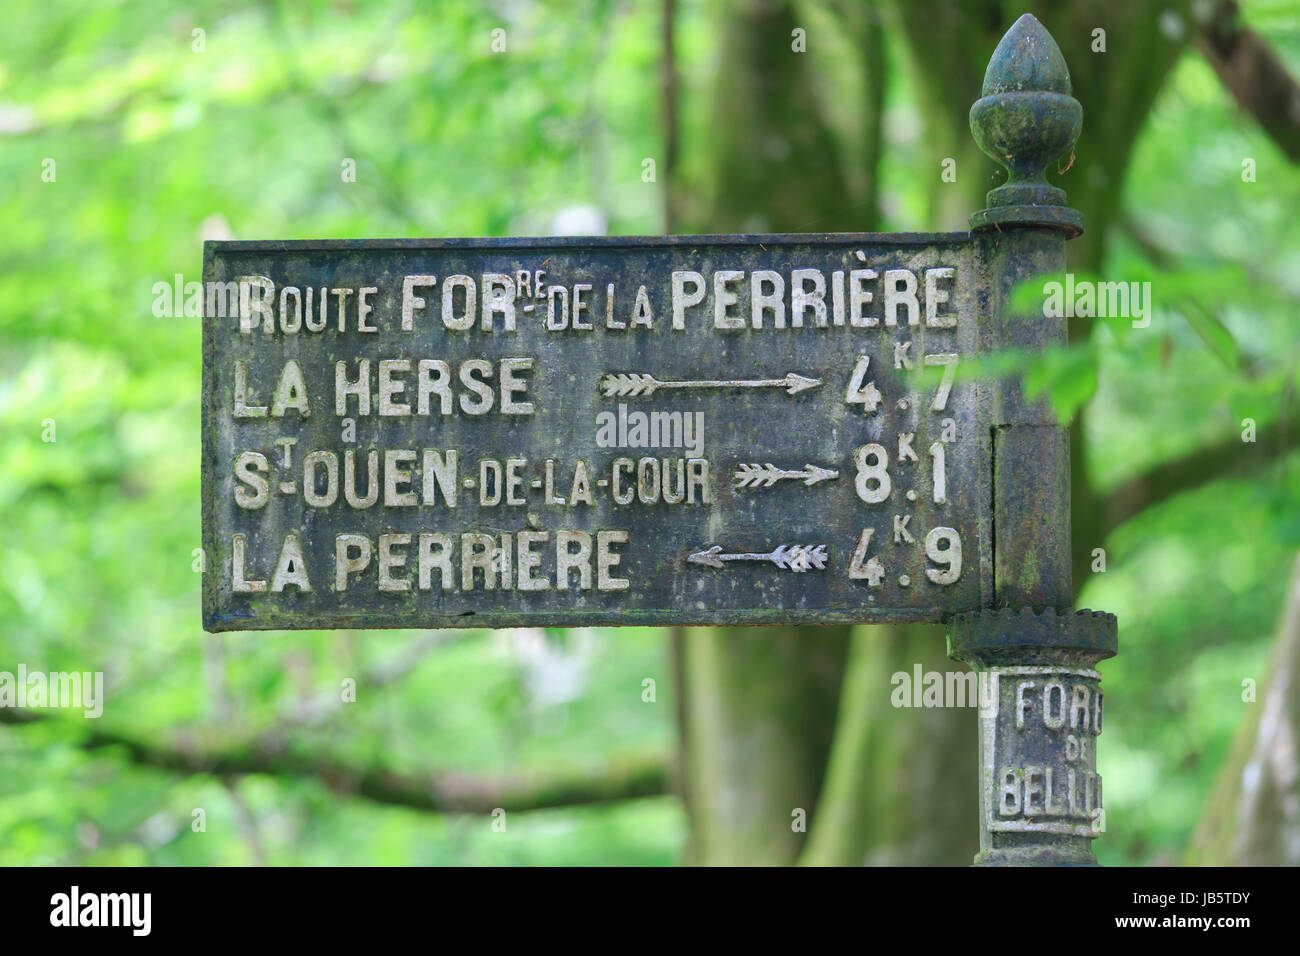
{"points": [[1026, 119]]}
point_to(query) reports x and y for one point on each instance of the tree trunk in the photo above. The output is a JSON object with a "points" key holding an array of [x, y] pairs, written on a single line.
{"points": [[890, 798], [1252, 817], [761, 702], [902, 784], [762, 707]]}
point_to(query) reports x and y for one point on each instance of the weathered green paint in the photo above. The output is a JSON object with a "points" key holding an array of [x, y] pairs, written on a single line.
{"points": [[1009, 470], [1025, 120], [666, 560], [1040, 719], [1040, 795]]}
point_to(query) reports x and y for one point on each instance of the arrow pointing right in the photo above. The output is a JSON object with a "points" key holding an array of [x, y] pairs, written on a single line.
{"points": [[640, 384]]}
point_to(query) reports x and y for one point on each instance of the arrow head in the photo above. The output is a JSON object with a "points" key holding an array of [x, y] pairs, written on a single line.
{"points": [[798, 383], [708, 557], [815, 474]]}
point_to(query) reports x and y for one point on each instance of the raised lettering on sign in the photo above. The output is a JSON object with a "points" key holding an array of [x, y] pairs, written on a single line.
{"points": [[618, 431]]}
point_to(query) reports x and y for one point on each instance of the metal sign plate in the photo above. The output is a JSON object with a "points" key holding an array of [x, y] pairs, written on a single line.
{"points": [[566, 432]]}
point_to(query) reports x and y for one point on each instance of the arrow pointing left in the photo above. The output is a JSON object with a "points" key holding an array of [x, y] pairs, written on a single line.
{"points": [[787, 557]]}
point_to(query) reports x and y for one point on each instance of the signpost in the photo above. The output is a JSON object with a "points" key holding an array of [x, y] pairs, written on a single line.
{"points": [[596, 431], [678, 430]]}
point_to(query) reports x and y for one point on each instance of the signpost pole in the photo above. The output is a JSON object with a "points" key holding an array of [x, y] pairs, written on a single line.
{"points": [[511, 432], [1041, 702]]}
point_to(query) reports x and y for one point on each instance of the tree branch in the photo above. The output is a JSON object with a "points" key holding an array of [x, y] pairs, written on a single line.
{"points": [[1253, 74], [1228, 457], [669, 85], [435, 792], [327, 704]]}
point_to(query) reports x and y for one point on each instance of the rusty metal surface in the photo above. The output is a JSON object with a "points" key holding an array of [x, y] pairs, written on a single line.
{"points": [[785, 413]]}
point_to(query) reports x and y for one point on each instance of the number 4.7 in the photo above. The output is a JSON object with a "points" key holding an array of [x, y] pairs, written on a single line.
{"points": [[864, 393]]}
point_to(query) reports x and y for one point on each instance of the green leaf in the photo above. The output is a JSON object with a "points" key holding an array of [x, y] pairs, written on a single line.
{"points": [[1213, 333], [1067, 375]]}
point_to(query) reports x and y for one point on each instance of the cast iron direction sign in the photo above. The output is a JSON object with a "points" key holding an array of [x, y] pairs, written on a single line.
{"points": [[724, 429]]}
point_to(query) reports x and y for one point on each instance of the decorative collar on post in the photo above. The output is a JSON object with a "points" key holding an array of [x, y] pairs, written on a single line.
{"points": [[1027, 119]]}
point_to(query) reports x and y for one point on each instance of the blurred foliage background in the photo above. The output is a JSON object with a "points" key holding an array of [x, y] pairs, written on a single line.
{"points": [[167, 123]]}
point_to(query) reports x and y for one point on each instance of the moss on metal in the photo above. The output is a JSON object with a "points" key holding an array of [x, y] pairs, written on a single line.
{"points": [[1025, 120]]}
